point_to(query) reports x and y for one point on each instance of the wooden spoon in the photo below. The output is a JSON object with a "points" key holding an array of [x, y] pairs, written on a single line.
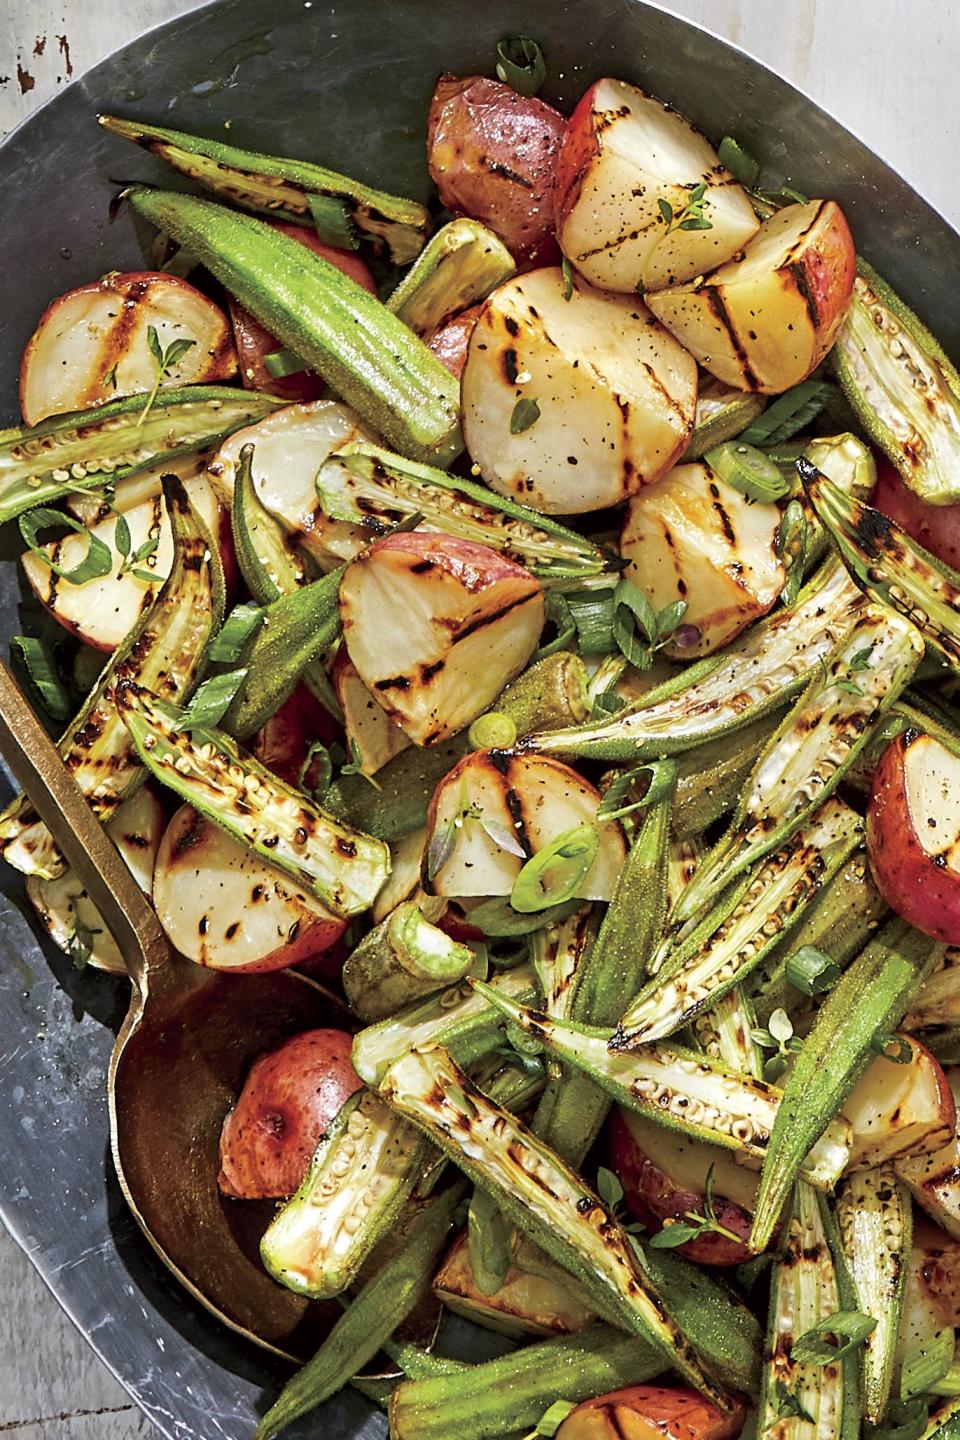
{"points": [[178, 1065]]}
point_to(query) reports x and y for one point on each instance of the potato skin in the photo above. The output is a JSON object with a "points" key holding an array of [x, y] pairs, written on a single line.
{"points": [[650, 1412], [935, 527], [451, 340], [283, 742], [288, 1101], [909, 878], [653, 1197], [492, 154]]}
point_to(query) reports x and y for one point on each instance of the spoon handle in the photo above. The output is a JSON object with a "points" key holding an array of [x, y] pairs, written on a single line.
{"points": [[36, 765]]}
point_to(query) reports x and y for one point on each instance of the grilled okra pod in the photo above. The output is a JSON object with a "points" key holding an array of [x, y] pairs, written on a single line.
{"points": [[271, 565], [457, 268], [371, 1318], [341, 867], [750, 918], [374, 488], [680, 1089], [557, 952], [400, 961], [889, 566], [805, 759], [800, 1398], [337, 328], [938, 1001], [274, 185], [550, 693], [459, 1019], [725, 1032], [875, 1220], [164, 651], [870, 997], [94, 449], [902, 387], [542, 1196], [710, 779], [759, 672], [722, 413]]}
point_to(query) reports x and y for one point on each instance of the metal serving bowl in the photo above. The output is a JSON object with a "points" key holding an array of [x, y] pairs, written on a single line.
{"points": [[346, 82]]}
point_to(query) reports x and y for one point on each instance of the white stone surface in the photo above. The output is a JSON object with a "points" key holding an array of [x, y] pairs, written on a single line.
{"points": [[886, 68]]}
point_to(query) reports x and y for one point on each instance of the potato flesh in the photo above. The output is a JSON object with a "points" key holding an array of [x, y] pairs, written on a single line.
{"points": [[617, 395], [433, 650], [99, 331], [223, 906], [753, 323], [685, 1162], [536, 1297], [529, 796], [104, 610], [932, 780], [899, 1110], [692, 537], [365, 722], [289, 450], [934, 1180], [615, 232]]}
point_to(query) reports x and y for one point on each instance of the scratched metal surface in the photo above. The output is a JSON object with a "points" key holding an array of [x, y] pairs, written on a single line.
{"points": [[301, 71]]}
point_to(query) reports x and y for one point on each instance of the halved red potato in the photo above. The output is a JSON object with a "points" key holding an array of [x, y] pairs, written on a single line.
{"points": [[536, 1297], [451, 340], [690, 536], [288, 1101], [254, 342], [530, 799], [283, 742], [224, 907], [615, 395], [766, 319], [899, 1109], [624, 154], [290, 446], [934, 1180], [650, 1412], [91, 344], [436, 627], [367, 725], [65, 909], [663, 1176], [103, 611], [403, 882], [935, 527], [913, 833], [931, 1298], [492, 155]]}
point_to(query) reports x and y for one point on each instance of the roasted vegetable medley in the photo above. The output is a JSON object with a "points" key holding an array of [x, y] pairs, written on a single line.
{"points": [[537, 617]]}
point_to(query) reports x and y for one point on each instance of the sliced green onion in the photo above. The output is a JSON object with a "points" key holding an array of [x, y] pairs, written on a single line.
{"points": [[738, 161], [551, 1420], [789, 413], [902, 1049], [211, 701], [498, 919], [811, 971], [663, 778], [567, 271], [906, 1420], [593, 614], [493, 731], [317, 756], [526, 412], [560, 616], [43, 676], [242, 622], [520, 64], [792, 539], [924, 1365], [332, 222], [97, 562], [748, 470], [821, 1345], [281, 363], [555, 873]]}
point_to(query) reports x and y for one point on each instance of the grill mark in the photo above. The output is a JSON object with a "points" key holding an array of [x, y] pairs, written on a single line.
{"points": [[799, 277], [798, 243], [515, 806], [483, 620], [664, 394], [505, 173], [715, 301], [117, 338], [728, 531]]}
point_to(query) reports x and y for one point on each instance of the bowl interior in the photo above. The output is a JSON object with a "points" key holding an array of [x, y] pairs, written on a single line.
{"points": [[346, 82]]}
